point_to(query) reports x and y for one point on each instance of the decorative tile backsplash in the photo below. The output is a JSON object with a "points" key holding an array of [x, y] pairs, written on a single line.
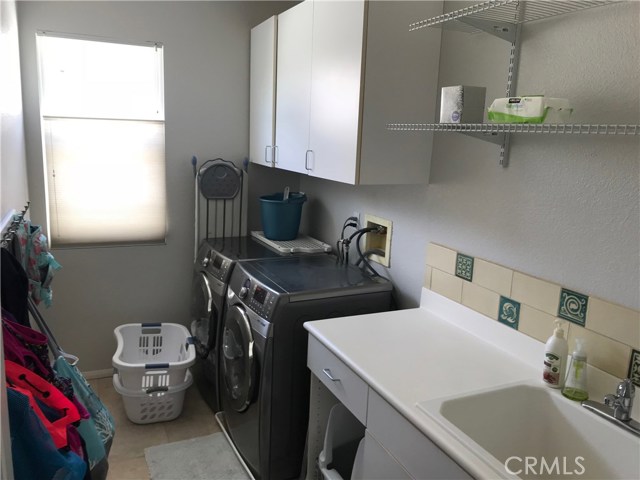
{"points": [[532, 305], [509, 312], [464, 267], [573, 306]]}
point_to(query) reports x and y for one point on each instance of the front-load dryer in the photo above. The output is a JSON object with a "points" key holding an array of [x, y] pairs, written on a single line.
{"points": [[212, 269], [263, 363]]}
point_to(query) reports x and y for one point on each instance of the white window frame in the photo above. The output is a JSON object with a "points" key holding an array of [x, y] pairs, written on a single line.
{"points": [[78, 174]]}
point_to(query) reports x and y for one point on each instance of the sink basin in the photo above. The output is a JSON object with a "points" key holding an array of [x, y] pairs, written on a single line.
{"points": [[530, 431]]}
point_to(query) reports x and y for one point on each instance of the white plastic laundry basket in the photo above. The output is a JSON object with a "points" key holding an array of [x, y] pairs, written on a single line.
{"points": [[153, 405], [151, 365], [151, 355]]}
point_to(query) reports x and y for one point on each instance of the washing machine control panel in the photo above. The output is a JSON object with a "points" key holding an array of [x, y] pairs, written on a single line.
{"points": [[257, 297]]}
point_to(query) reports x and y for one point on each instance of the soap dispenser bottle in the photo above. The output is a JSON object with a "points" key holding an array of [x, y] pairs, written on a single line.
{"points": [[575, 386], [555, 358]]}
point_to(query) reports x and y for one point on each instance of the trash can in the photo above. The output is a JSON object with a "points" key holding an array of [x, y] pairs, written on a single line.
{"points": [[280, 217], [341, 443]]}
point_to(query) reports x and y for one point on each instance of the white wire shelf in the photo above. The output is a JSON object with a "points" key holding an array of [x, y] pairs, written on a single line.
{"points": [[507, 11], [540, 128]]}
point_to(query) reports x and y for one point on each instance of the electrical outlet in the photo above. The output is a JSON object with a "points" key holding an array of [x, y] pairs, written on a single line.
{"points": [[357, 216], [378, 241]]}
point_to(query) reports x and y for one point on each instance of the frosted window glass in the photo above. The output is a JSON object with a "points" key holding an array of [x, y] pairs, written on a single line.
{"points": [[104, 144]]}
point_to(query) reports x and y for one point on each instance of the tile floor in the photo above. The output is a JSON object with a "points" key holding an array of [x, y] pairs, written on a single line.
{"points": [[126, 460]]}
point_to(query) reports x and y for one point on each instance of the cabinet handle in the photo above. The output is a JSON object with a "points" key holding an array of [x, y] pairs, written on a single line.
{"points": [[275, 150], [306, 160], [327, 372]]}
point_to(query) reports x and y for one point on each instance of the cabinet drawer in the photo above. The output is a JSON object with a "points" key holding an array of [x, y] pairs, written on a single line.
{"points": [[348, 387], [414, 451]]}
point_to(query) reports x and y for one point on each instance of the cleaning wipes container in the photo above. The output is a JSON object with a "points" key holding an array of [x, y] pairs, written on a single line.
{"points": [[280, 215]]}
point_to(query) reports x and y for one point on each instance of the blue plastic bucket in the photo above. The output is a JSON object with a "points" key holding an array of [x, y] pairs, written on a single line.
{"points": [[281, 218]]}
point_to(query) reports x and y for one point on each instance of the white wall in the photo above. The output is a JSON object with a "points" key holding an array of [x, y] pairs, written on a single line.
{"points": [[13, 173], [567, 208], [206, 100]]}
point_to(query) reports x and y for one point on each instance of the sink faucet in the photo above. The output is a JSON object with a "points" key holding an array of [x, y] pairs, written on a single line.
{"points": [[617, 407], [622, 401]]}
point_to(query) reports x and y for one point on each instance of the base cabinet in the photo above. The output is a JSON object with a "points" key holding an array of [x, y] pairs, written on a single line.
{"points": [[392, 448]]}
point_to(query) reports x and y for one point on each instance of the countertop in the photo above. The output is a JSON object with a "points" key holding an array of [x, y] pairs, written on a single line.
{"points": [[438, 350]]}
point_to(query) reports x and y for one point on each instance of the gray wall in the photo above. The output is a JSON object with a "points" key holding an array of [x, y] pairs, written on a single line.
{"points": [[567, 208], [207, 115], [13, 170]]}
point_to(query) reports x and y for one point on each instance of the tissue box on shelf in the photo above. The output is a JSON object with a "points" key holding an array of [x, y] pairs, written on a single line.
{"points": [[529, 109], [462, 104]]}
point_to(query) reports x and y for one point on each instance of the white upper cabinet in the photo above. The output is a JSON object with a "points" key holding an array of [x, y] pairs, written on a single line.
{"points": [[345, 69], [336, 86], [261, 93], [293, 89]]}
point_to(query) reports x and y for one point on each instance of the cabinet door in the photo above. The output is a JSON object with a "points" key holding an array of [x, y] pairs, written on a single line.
{"points": [[335, 89], [262, 92], [293, 86], [417, 454]]}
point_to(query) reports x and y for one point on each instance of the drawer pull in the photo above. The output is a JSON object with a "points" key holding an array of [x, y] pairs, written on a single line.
{"points": [[327, 372]]}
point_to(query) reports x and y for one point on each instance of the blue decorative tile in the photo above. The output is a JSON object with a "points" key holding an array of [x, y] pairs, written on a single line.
{"points": [[464, 266], [634, 368], [573, 306], [509, 312]]}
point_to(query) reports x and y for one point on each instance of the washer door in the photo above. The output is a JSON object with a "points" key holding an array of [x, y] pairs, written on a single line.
{"points": [[204, 315], [237, 359]]}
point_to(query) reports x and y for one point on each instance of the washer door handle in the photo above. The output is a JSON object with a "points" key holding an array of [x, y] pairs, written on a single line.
{"points": [[327, 372]]}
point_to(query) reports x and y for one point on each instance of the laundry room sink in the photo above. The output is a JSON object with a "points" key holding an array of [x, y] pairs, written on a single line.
{"points": [[527, 430]]}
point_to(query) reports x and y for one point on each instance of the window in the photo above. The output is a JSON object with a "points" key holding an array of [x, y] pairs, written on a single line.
{"points": [[102, 114]]}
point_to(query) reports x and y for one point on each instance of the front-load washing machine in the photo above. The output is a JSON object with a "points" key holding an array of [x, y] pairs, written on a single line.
{"points": [[212, 269], [264, 376]]}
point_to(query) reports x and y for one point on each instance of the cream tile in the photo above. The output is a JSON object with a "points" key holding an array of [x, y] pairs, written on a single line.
{"points": [[128, 469], [537, 324], [190, 426], [602, 352], [480, 299], [614, 321], [442, 258], [492, 276], [130, 439], [448, 285], [536, 293], [427, 277]]}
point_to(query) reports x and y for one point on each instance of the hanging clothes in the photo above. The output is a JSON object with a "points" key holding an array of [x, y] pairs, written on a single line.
{"points": [[97, 431], [15, 287], [37, 261], [36, 388], [35, 456]]}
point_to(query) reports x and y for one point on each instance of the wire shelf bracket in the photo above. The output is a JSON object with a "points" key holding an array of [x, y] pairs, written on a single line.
{"points": [[504, 19]]}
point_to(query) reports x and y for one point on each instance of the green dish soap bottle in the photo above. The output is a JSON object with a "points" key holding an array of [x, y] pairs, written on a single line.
{"points": [[575, 385]]}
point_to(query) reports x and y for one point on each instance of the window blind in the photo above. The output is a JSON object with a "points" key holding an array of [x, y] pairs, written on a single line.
{"points": [[102, 107]]}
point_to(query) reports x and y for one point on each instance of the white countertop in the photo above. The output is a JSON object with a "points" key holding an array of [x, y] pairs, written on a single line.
{"points": [[438, 350]]}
